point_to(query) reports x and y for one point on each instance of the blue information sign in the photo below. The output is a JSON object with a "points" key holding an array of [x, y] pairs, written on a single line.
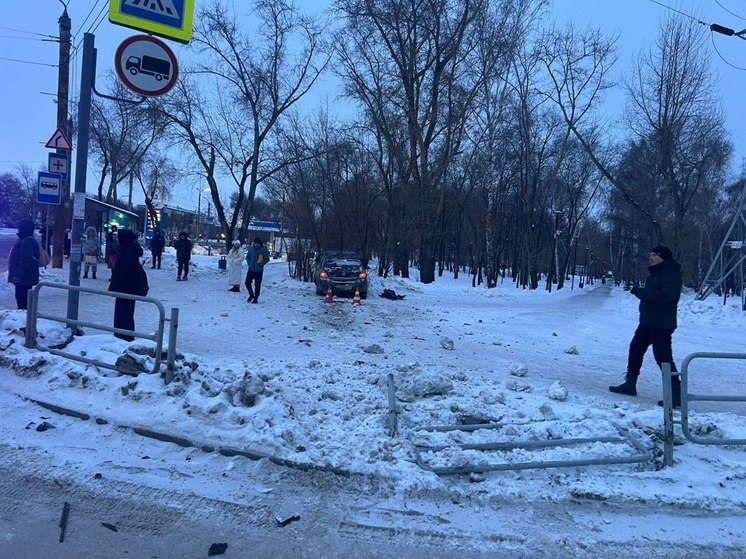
{"points": [[49, 189]]}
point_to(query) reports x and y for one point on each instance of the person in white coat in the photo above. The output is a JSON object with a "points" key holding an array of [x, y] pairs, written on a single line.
{"points": [[235, 263]]}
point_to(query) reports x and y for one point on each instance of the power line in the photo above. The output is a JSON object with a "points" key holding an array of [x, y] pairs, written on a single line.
{"points": [[727, 10], [712, 36], [85, 20], [28, 62], [680, 12], [25, 38], [29, 32]]}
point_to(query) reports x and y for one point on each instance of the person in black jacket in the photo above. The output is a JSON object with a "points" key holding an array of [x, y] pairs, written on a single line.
{"points": [[183, 255], [127, 276], [23, 263], [659, 299], [157, 243]]}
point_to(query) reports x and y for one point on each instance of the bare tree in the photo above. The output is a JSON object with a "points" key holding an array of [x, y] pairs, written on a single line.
{"points": [[251, 80]]}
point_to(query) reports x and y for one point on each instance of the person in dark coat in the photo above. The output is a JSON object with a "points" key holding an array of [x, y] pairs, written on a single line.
{"points": [[659, 299], [127, 276], [110, 248], [183, 248], [257, 256], [157, 243], [23, 262]]}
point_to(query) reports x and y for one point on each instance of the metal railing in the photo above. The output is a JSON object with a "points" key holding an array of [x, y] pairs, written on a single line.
{"points": [[686, 398], [33, 315]]}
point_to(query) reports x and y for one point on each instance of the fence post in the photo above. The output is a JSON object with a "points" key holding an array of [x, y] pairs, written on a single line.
{"points": [[30, 340], [667, 415], [173, 326]]}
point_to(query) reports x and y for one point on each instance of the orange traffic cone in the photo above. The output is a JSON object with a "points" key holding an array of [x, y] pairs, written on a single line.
{"points": [[356, 299], [329, 295]]}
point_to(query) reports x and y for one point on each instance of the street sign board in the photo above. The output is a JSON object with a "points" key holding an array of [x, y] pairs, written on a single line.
{"points": [[171, 19], [59, 141], [58, 164], [146, 65], [49, 188]]}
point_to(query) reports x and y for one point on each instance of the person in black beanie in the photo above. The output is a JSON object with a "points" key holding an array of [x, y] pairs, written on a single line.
{"points": [[23, 262], [659, 299]]}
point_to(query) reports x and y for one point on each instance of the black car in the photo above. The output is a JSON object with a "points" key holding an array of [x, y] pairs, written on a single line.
{"points": [[344, 271]]}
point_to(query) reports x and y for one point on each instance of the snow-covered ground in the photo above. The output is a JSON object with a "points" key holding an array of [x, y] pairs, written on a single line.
{"points": [[305, 383]]}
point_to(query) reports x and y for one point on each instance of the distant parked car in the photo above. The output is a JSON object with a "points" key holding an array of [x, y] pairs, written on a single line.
{"points": [[344, 271]]}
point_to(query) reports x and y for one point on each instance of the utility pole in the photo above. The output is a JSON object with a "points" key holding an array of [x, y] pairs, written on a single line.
{"points": [[61, 211]]}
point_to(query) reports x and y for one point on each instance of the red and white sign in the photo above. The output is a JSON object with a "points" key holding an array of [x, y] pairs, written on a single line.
{"points": [[146, 65], [59, 141]]}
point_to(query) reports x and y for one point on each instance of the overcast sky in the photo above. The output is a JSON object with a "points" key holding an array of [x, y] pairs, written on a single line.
{"points": [[28, 111]]}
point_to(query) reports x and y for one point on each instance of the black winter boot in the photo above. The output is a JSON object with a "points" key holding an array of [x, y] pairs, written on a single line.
{"points": [[94, 275], [628, 387], [85, 276]]}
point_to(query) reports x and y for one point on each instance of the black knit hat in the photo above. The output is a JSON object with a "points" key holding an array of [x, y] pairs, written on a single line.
{"points": [[662, 251], [25, 228], [258, 240], [126, 237]]}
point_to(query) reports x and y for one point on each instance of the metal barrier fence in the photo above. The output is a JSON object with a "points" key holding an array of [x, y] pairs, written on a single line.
{"points": [[33, 315], [686, 398]]}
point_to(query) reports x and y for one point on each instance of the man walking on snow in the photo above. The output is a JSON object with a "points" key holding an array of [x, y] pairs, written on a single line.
{"points": [[659, 298], [257, 256]]}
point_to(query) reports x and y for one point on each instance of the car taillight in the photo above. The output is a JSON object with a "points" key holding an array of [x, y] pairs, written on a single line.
{"points": [[324, 275], [362, 275]]}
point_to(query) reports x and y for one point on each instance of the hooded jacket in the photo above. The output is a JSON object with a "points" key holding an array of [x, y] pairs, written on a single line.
{"points": [[90, 245], [127, 275], [157, 243], [23, 263], [659, 297], [257, 257], [183, 248]]}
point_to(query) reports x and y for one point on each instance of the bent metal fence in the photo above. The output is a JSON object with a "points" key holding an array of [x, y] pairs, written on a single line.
{"points": [[33, 315], [686, 398]]}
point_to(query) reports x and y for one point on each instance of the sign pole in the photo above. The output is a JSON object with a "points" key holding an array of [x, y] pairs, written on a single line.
{"points": [[81, 164]]}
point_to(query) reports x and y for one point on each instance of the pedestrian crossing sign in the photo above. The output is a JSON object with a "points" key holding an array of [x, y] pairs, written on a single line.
{"points": [[171, 19]]}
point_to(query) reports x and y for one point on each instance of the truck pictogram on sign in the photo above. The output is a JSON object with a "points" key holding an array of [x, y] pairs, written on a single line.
{"points": [[157, 67]]}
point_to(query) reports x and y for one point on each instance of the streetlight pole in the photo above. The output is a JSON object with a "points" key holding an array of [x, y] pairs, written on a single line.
{"points": [[552, 263], [574, 261], [585, 268]]}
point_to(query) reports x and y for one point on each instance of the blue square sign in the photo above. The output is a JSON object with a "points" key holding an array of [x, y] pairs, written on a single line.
{"points": [[49, 189]]}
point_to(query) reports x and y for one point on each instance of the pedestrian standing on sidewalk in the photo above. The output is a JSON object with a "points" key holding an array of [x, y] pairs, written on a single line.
{"points": [[183, 256], [110, 248], [157, 244], [659, 299], [256, 257], [127, 276], [91, 251], [235, 263], [23, 262]]}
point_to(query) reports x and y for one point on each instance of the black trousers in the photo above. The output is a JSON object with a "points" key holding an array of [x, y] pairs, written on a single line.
{"points": [[157, 260], [645, 336], [183, 267], [124, 317], [256, 278], [22, 296]]}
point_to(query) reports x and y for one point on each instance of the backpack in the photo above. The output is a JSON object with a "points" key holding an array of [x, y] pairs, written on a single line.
{"points": [[43, 255]]}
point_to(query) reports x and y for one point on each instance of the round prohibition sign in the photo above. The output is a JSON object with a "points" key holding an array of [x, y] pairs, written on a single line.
{"points": [[146, 65]]}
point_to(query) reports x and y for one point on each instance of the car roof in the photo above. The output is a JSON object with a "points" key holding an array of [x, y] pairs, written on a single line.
{"points": [[341, 254]]}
